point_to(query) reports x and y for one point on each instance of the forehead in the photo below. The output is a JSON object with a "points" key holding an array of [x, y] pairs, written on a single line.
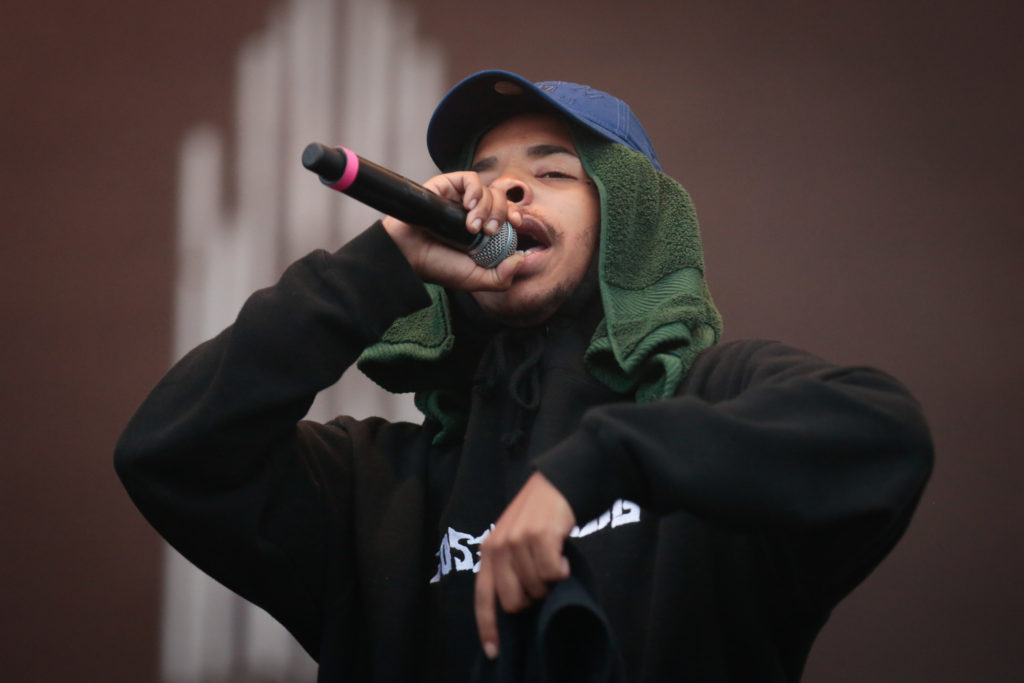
{"points": [[523, 131]]}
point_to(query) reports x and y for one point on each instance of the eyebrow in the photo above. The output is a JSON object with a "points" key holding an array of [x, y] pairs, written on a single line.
{"points": [[534, 152]]}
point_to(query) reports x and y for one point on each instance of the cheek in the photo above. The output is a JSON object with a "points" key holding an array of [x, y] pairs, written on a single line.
{"points": [[584, 246], [582, 216], [591, 217]]}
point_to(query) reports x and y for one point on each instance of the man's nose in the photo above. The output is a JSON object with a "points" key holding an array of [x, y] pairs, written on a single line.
{"points": [[516, 190]]}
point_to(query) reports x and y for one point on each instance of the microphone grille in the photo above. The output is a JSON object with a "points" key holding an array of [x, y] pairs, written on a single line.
{"points": [[495, 249]]}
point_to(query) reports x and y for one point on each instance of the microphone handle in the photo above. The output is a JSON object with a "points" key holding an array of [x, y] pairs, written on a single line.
{"points": [[341, 169]]}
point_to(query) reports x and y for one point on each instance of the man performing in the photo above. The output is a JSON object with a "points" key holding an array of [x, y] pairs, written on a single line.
{"points": [[598, 491]]}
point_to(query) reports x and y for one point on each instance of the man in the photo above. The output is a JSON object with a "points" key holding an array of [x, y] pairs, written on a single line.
{"points": [[598, 492]]}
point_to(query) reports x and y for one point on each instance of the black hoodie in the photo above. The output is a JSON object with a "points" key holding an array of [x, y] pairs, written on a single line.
{"points": [[726, 522]]}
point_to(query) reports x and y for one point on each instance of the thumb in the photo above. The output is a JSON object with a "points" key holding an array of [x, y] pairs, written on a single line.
{"points": [[501, 277]]}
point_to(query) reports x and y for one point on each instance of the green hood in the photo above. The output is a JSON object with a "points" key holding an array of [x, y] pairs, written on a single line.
{"points": [[658, 311]]}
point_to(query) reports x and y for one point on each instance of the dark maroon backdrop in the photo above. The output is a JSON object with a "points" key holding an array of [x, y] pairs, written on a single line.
{"points": [[856, 167]]}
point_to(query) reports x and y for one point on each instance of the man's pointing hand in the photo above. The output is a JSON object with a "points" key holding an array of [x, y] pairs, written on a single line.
{"points": [[522, 555]]}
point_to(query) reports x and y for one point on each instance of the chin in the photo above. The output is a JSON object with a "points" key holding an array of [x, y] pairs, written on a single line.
{"points": [[522, 309]]}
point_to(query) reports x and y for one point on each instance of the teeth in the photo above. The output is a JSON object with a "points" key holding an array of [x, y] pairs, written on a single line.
{"points": [[530, 250]]}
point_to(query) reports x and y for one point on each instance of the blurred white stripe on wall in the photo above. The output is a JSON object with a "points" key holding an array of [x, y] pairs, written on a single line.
{"points": [[349, 72]]}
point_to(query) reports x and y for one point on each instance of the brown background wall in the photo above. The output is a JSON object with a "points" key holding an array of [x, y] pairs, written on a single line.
{"points": [[857, 169]]}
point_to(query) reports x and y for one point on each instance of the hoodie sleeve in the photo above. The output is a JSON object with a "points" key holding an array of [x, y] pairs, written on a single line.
{"points": [[762, 438], [216, 457]]}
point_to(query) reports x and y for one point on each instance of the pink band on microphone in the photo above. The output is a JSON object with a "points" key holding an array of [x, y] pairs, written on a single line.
{"points": [[351, 170]]}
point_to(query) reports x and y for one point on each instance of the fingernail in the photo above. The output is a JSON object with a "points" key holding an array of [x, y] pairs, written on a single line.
{"points": [[492, 226], [476, 223], [472, 203], [491, 650]]}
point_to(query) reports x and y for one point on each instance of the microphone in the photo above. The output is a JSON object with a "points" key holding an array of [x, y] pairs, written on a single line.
{"points": [[342, 170]]}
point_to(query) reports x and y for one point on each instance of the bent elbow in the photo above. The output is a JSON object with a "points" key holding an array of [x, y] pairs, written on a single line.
{"points": [[917, 448]]}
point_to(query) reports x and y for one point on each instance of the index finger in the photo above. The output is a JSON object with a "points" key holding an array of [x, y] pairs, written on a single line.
{"points": [[483, 606], [465, 188], [461, 186]]}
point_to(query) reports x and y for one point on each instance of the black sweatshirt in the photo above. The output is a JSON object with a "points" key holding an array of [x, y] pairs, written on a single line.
{"points": [[720, 527]]}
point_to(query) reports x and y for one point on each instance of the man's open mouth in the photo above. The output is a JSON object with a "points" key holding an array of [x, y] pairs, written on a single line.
{"points": [[533, 237]]}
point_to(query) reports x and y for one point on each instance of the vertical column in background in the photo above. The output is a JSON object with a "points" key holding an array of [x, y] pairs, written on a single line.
{"points": [[346, 71]]}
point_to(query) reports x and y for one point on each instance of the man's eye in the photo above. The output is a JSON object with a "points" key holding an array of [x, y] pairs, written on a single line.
{"points": [[557, 174]]}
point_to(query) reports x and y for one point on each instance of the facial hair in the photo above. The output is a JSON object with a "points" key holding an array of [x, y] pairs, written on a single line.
{"points": [[540, 308]]}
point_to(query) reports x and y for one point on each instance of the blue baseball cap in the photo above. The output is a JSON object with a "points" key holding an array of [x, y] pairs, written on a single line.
{"points": [[484, 99]]}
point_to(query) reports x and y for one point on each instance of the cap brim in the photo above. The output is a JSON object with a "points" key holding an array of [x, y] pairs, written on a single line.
{"points": [[479, 102]]}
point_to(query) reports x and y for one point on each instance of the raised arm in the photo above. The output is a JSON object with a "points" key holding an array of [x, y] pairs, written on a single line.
{"points": [[216, 457]]}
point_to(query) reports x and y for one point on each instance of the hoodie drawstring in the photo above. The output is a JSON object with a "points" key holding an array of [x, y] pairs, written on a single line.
{"points": [[524, 381]]}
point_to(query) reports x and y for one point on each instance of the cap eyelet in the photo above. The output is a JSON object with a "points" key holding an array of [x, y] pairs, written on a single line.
{"points": [[508, 88]]}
